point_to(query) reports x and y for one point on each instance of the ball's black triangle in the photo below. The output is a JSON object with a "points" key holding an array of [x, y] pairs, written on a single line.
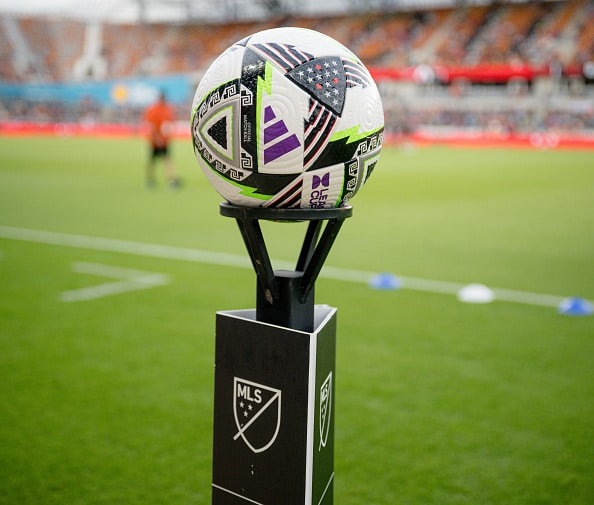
{"points": [[324, 79], [218, 132]]}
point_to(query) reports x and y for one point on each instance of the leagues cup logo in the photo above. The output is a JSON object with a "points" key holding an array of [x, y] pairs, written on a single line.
{"points": [[317, 181], [319, 191], [257, 411], [325, 410]]}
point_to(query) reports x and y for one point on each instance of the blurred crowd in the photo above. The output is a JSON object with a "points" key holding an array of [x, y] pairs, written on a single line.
{"points": [[558, 35], [496, 122], [402, 121]]}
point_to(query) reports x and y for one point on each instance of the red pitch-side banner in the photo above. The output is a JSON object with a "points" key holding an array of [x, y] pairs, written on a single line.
{"points": [[532, 140], [539, 140], [479, 73], [25, 128]]}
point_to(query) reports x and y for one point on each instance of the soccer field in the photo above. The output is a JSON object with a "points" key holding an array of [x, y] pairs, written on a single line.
{"points": [[108, 294]]}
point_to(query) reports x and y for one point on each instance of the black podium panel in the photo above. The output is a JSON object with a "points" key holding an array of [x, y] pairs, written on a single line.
{"points": [[274, 411]]}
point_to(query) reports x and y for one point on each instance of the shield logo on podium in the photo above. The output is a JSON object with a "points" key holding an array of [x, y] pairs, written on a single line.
{"points": [[325, 410], [257, 412]]}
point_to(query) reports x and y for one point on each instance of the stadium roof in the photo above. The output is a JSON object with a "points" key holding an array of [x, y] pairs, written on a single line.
{"points": [[148, 10], [126, 11]]}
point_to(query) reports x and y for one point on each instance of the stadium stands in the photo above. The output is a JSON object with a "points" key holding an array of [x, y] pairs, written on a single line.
{"points": [[7, 68], [523, 51], [500, 39], [585, 39], [462, 28], [495, 34]]}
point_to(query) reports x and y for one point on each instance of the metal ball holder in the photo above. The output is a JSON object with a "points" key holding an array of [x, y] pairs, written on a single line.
{"points": [[273, 439], [285, 297]]}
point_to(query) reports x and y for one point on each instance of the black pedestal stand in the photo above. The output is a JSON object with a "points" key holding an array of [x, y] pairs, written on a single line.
{"points": [[273, 437]]}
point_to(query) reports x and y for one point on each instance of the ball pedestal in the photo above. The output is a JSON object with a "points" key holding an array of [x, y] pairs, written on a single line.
{"points": [[273, 440]]}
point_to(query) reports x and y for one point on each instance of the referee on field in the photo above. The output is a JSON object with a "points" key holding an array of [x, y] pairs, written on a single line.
{"points": [[159, 118]]}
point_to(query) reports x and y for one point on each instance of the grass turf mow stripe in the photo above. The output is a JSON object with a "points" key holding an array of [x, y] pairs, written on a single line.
{"points": [[234, 260]]}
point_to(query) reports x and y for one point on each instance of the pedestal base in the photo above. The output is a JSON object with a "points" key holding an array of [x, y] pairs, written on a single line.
{"points": [[274, 411]]}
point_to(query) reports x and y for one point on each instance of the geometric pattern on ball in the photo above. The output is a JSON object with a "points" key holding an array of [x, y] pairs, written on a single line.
{"points": [[287, 118], [216, 130]]}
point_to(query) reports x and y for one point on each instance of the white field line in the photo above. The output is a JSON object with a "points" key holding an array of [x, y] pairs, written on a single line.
{"points": [[236, 260], [124, 246], [133, 280], [84, 267]]}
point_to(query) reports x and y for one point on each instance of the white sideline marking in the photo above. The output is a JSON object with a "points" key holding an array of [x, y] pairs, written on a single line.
{"points": [[133, 281], [236, 260], [124, 246]]}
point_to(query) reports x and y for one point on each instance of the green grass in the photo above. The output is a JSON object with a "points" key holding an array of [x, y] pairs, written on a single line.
{"points": [[438, 402]]}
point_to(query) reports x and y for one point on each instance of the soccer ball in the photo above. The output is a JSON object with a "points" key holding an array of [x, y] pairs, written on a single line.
{"points": [[287, 118]]}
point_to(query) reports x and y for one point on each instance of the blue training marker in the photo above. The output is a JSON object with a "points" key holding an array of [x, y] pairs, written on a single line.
{"points": [[385, 281], [575, 306]]}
